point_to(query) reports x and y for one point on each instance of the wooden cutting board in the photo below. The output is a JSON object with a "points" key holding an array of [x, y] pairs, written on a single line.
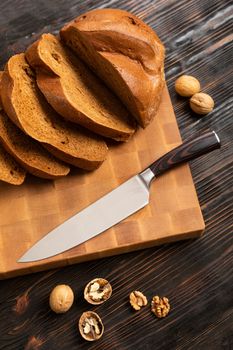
{"points": [[30, 211]]}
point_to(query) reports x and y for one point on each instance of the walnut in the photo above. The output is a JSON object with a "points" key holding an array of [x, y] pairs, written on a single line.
{"points": [[61, 298], [160, 306], [90, 326], [137, 300], [97, 291], [186, 85], [201, 103]]}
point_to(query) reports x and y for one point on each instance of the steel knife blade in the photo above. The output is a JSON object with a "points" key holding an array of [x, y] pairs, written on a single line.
{"points": [[117, 205]]}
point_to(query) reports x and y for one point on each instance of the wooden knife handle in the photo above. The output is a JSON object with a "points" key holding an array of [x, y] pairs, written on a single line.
{"points": [[190, 149]]}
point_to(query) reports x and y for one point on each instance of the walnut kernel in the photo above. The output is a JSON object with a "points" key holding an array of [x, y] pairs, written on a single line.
{"points": [[160, 306], [97, 291], [90, 326], [201, 103], [186, 85], [61, 298], [137, 300]]}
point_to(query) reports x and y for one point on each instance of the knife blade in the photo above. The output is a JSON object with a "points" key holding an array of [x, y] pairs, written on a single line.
{"points": [[117, 205]]}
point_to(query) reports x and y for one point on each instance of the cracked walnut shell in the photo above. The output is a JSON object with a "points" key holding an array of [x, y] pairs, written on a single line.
{"points": [[160, 306], [137, 300], [97, 291], [91, 326]]}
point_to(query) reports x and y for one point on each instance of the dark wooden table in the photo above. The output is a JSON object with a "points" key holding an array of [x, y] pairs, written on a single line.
{"points": [[197, 275]]}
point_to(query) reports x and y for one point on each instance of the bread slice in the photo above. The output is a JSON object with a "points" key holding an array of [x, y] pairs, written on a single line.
{"points": [[28, 109], [10, 171], [125, 53], [29, 153], [75, 92]]}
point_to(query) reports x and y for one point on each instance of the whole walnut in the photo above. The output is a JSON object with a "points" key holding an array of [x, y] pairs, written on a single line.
{"points": [[61, 298], [186, 85], [201, 103]]}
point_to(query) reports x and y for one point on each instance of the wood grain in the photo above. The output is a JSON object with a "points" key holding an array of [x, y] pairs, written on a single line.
{"points": [[195, 275], [172, 214], [188, 150]]}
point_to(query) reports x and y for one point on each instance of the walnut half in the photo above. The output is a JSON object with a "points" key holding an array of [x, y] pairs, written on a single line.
{"points": [[97, 291], [90, 326], [160, 306], [137, 300]]}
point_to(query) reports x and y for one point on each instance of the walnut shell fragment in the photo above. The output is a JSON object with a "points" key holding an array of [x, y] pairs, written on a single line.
{"points": [[90, 326], [160, 306], [137, 300], [97, 291]]}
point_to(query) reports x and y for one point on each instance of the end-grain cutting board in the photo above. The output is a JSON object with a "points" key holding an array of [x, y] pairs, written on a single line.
{"points": [[30, 211]]}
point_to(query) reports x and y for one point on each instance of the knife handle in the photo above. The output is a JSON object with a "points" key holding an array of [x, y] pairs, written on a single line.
{"points": [[189, 150]]}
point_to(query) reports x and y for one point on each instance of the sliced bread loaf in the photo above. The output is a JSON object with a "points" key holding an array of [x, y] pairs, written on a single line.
{"points": [[28, 109], [10, 171], [126, 54], [75, 92]]}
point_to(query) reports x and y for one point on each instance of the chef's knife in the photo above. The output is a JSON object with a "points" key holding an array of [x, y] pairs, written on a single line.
{"points": [[118, 204]]}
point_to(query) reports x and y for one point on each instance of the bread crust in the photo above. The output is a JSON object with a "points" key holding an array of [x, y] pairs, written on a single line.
{"points": [[125, 53]]}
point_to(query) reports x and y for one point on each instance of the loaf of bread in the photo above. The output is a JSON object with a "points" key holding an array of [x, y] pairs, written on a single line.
{"points": [[103, 75], [28, 109], [125, 53], [10, 171], [75, 92]]}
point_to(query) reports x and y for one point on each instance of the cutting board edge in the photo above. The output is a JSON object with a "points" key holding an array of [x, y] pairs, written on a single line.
{"points": [[127, 248]]}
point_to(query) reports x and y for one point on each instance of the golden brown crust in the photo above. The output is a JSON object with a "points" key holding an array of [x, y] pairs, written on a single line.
{"points": [[7, 85], [125, 53], [51, 83], [33, 57]]}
